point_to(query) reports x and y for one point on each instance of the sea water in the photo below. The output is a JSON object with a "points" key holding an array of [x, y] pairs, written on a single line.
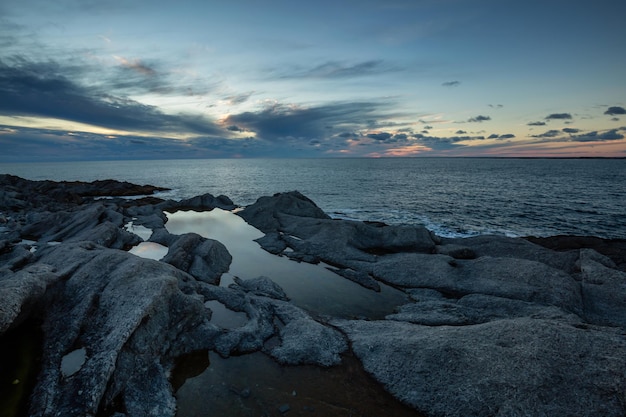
{"points": [[451, 196]]}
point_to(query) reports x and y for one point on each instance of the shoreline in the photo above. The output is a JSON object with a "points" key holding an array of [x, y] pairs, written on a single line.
{"points": [[495, 316]]}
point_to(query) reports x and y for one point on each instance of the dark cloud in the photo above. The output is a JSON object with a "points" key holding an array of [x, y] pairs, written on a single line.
{"points": [[280, 121], [612, 111], [382, 136], [479, 119], [495, 106], [333, 70], [401, 136], [460, 132], [615, 119], [451, 83], [427, 127], [596, 136], [43, 89], [548, 134], [537, 124], [570, 130], [505, 136], [559, 116]]}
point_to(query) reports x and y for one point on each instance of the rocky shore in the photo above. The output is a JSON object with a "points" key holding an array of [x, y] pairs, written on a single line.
{"points": [[492, 326]]}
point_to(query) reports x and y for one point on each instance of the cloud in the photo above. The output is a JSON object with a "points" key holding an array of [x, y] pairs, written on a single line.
{"points": [[495, 106], [460, 132], [505, 136], [335, 70], [559, 116], [570, 130], [596, 136], [612, 111], [536, 124], [43, 90], [479, 119], [279, 122], [382, 136], [548, 134], [451, 83]]}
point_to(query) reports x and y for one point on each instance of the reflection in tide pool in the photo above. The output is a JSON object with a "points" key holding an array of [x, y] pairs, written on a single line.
{"points": [[149, 250], [311, 287], [254, 385]]}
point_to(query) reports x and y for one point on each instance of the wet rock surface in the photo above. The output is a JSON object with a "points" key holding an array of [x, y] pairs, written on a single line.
{"points": [[494, 325]]}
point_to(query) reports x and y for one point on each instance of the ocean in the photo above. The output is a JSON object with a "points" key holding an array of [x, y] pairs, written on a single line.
{"points": [[454, 197]]}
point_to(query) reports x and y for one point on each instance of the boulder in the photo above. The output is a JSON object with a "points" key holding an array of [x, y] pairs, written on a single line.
{"points": [[264, 213], [205, 259]]}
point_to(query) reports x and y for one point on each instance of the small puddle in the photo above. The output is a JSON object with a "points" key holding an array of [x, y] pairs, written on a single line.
{"points": [[149, 250], [254, 385], [141, 231], [73, 362], [310, 287]]}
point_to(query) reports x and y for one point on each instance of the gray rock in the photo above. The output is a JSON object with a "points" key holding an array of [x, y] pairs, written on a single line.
{"points": [[272, 242], [262, 286], [518, 279], [264, 213], [205, 259], [202, 202], [304, 341], [501, 246], [22, 291], [603, 290], [129, 315], [474, 309], [456, 251], [505, 367], [360, 277]]}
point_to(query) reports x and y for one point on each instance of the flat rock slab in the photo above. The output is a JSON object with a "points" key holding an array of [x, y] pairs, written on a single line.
{"points": [[507, 367]]}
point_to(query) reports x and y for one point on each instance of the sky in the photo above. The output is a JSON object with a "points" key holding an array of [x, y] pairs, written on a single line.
{"points": [[139, 79]]}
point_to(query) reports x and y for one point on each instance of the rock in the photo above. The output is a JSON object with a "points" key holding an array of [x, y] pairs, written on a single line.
{"points": [[501, 246], [264, 213], [262, 286], [603, 290], [360, 277], [203, 202], [305, 341], [205, 259], [129, 315], [272, 242], [517, 279], [21, 292], [506, 367], [456, 251], [614, 249]]}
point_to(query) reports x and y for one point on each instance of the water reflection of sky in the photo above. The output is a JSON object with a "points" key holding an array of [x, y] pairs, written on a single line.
{"points": [[311, 287]]}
